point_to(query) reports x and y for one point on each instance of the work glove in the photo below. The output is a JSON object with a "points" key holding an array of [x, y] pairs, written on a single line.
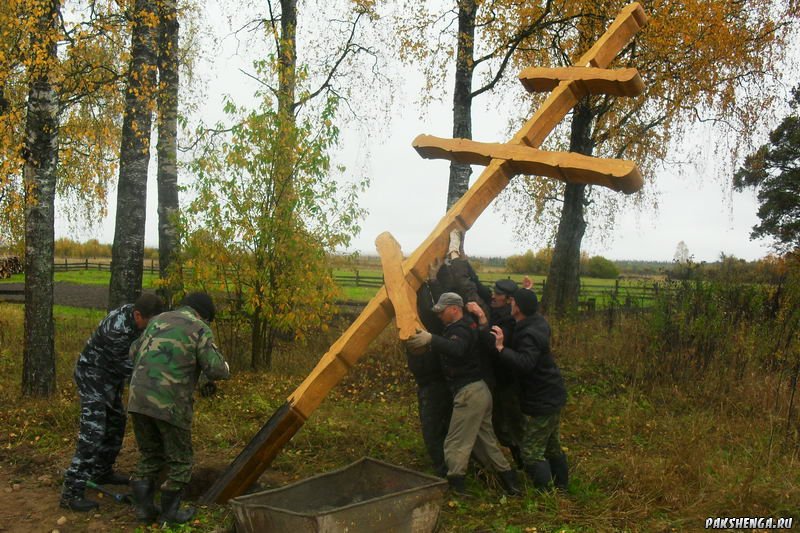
{"points": [[419, 340]]}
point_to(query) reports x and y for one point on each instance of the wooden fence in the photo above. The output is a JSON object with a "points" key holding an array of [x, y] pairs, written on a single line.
{"points": [[592, 295]]}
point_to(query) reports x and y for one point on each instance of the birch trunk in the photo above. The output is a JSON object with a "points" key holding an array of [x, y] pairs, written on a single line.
{"points": [[127, 252], [462, 97], [167, 146], [39, 175]]}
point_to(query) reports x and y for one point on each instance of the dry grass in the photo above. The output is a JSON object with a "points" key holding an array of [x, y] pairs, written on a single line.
{"points": [[648, 452]]}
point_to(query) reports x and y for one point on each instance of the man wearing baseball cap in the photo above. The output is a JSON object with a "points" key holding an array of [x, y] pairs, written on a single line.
{"points": [[542, 391], [470, 427]]}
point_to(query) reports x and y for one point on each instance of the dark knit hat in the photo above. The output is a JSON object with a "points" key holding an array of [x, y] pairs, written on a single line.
{"points": [[202, 303], [505, 286], [526, 301]]}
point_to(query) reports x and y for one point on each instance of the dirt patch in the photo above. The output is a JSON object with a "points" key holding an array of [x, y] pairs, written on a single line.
{"points": [[30, 489]]}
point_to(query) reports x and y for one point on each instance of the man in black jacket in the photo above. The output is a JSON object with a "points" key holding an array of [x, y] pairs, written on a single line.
{"points": [[434, 401], [506, 416], [542, 391], [470, 427]]}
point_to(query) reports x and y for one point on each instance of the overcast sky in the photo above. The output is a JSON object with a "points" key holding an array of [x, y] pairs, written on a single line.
{"points": [[407, 194]]}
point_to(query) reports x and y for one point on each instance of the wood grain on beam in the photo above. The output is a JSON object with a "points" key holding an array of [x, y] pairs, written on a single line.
{"points": [[402, 296], [588, 80], [616, 174]]}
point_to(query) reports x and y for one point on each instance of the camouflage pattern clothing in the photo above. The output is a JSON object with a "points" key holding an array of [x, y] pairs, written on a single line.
{"points": [[168, 358], [174, 350], [102, 369], [162, 444], [540, 438]]}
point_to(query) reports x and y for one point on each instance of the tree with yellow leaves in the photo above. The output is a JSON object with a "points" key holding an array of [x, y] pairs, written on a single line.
{"points": [[267, 208], [701, 61], [55, 75]]}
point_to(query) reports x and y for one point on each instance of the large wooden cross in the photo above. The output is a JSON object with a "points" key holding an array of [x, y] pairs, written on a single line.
{"points": [[503, 162]]}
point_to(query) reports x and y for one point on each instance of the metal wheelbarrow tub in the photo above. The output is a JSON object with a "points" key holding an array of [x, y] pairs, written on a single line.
{"points": [[366, 496]]}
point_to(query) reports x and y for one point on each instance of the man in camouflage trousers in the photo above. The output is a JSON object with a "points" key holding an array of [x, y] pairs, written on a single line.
{"points": [[542, 393], [102, 369], [174, 350]]}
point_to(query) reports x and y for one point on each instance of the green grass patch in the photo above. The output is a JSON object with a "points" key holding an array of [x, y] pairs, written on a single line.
{"points": [[87, 277]]}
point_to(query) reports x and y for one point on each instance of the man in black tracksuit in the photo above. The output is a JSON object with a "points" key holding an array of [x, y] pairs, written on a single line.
{"points": [[542, 391], [434, 400]]}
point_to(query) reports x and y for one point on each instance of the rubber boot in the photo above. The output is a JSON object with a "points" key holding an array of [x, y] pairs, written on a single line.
{"points": [[458, 484], [540, 473], [560, 470], [171, 512], [516, 453], [143, 491], [78, 503], [510, 482], [112, 478]]}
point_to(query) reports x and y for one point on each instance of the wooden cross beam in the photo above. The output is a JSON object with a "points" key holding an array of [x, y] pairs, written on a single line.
{"points": [[615, 174], [346, 351], [588, 80], [402, 296]]}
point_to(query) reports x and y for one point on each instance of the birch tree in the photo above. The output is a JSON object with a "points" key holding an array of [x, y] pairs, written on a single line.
{"points": [[127, 252]]}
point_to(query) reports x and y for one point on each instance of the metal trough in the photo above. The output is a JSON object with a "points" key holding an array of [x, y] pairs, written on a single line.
{"points": [[368, 495]]}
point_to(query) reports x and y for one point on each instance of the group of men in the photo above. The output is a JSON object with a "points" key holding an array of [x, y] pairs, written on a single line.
{"points": [[162, 355], [486, 374]]}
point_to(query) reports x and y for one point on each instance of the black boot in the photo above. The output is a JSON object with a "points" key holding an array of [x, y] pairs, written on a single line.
{"points": [[516, 453], [144, 491], [510, 482], [560, 470], [112, 478], [78, 503], [458, 484], [171, 512], [540, 474]]}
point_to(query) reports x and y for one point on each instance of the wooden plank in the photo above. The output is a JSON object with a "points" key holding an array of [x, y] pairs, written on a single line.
{"points": [[616, 174], [378, 312], [589, 80], [402, 296]]}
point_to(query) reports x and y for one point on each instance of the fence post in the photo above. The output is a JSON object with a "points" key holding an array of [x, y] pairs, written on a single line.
{"points": [[152, 268], [357, 278], [86, 264], [616, 288]]}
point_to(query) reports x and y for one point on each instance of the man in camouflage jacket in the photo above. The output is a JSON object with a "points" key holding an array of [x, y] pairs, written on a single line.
{"points": [[100, 375], [168, 359]]}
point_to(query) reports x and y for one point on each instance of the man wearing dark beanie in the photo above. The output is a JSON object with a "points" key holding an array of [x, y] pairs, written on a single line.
{"points": [[542, 391], [168, 359]]}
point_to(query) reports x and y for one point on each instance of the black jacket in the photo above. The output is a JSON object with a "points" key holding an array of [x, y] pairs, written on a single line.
{"points": [[459, 353], [501, 316], [542, 390]]}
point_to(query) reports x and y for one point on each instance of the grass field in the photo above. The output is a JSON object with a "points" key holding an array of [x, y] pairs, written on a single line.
{"points": [[646, 454]]}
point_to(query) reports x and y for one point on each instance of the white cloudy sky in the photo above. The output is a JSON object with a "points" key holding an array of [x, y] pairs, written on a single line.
{"points": [[407, 194]]}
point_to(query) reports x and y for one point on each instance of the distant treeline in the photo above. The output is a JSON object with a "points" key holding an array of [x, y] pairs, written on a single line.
{"points": [[65, 247]]}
